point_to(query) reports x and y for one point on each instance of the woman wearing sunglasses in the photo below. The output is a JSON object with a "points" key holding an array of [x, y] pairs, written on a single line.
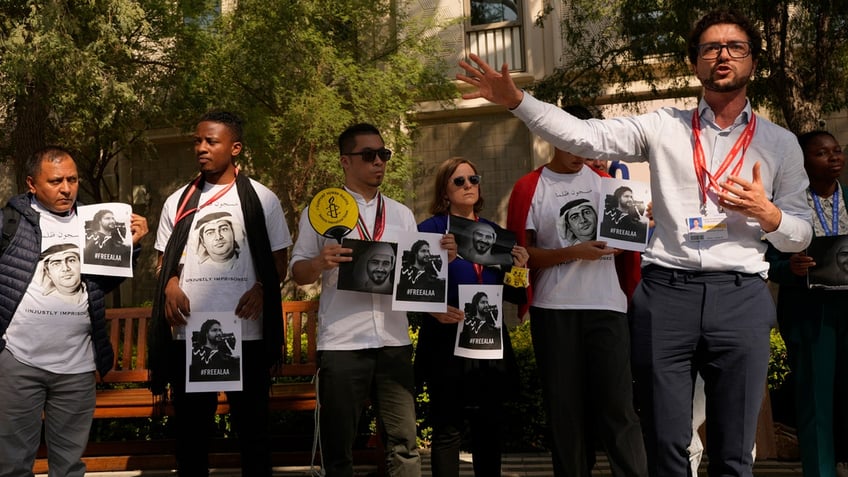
{"points": [[461, 389]]}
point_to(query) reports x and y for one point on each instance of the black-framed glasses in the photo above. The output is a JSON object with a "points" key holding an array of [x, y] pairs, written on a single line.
{"points": [[369, 155], [459, 181], [736, 49]]}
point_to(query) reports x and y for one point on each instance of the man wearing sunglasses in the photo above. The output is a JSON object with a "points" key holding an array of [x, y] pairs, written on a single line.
{"points": [[364, 350], [703, 304]]}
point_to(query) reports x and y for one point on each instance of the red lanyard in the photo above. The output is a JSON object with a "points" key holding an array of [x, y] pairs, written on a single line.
{"points": [[379, 222], [182, 213], [701, 170]]}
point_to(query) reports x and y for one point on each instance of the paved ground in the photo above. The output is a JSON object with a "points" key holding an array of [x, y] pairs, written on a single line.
{"points": [[514, 465]]}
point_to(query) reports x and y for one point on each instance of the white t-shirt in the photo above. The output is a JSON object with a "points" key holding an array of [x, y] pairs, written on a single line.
{"points": [[576, 284], [51, 328], [350, 320], [217, 265]]}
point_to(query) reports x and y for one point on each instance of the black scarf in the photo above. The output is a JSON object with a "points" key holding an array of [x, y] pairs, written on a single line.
{"points": [[159, 333]]}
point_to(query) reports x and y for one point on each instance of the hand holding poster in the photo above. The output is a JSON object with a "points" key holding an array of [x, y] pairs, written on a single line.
{"points": [[422, 276], [107, 239], [624, 223], [213, 352], [479, 336], [482, 242], [372, 269], [830, 253]]}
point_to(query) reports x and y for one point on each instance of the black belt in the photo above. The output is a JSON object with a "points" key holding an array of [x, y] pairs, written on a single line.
{"points": [[672, 275]]}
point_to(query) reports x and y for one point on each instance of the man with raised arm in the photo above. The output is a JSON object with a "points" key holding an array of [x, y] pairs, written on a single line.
{"points": [[703, 305]]}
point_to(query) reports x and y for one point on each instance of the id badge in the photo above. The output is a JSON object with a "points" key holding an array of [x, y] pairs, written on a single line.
{"points": [[707, 227]]}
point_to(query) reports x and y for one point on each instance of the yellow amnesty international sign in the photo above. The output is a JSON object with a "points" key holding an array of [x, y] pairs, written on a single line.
{"points": [[333, 213]]}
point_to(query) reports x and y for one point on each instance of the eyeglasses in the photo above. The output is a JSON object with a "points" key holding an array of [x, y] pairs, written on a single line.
{"points": [[369, 155], [459, 181], [736, 49]]}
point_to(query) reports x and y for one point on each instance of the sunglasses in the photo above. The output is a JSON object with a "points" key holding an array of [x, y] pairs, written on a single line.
{"points": [[369, 155], [460, 181]]}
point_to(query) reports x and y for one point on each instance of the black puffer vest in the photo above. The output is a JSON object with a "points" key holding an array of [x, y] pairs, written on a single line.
{"points": [[18, 265]]}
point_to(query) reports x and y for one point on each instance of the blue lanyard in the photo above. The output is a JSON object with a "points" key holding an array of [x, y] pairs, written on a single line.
{"points": [[835, 212]]}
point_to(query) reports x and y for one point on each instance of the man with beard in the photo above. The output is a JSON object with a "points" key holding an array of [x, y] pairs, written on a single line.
{"points": [[379, 265], [479, 248], [419, 277], [104, 242], [212, 349], [703, 304], [480, 329], [622, 219]]}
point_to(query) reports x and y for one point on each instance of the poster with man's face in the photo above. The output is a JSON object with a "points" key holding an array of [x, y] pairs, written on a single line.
{"points": [[107, 239], [61, 275], [421, 278], [481, 242], [577, 221], [219, 239], [213, 352], [831, 256], [624, 222], [480, 335], [372, 269]]}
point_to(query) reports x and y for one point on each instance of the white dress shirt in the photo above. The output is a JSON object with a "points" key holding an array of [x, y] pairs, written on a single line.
{"points": [[664, 139], [349, 320]]}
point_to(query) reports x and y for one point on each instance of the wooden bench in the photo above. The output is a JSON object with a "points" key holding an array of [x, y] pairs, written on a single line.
{"points": [[123, 393]]}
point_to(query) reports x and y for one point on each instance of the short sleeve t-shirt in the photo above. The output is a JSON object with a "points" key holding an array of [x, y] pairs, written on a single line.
{"points": [[51, 328], [564, 212], [217, 265]]}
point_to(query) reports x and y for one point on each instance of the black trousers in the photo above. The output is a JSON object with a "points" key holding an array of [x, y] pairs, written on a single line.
{"points": [[450, 410], [583, 357], [715, 323], [195, 415], [346, 381]]}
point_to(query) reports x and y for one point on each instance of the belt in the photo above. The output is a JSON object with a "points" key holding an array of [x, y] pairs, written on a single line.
{"points": [[673, 275]]}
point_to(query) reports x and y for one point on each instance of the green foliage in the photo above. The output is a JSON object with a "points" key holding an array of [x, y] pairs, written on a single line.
{"points": [[302, 73], [525, 417], [778, 361], [132, 429], [422, 397], [89, 75], [622, 44]]}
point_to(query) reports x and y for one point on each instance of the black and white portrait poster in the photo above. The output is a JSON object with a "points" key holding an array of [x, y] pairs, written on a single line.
{"points": [[479, 335], [624, 224], [372, 269], [831, 256], [421, 279], [482, 242], [107, 239], [213, 352]]}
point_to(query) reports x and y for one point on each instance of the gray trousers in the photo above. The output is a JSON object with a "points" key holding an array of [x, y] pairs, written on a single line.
{"points": [[346, 380], [716, 324], [67, 402]]}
